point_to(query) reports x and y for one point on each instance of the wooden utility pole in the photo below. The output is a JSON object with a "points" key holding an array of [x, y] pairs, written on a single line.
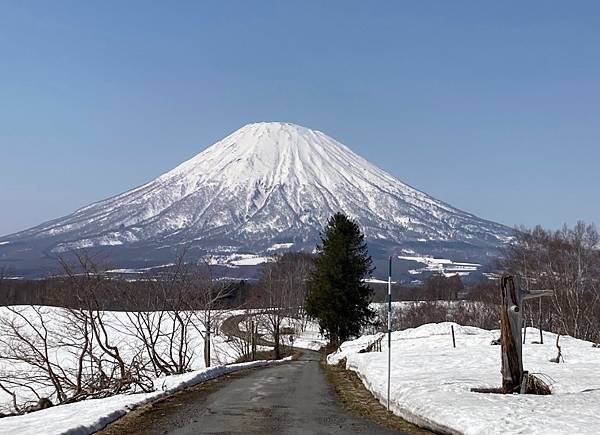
{"points": [[511, 322]]}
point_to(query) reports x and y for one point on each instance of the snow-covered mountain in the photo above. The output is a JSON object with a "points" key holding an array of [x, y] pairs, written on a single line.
{"points": [[265, 185]]}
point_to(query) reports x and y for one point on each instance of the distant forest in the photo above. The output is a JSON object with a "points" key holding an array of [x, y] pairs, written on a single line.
{"points": [[566, 261], [117, 294]]}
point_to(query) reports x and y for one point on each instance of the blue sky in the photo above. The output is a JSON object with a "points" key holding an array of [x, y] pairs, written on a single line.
{"points": [[493, 107]]}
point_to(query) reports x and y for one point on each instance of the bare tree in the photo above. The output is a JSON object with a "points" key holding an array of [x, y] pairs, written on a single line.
{"points": [[568, 262], [186, 299], [282, 291], [211, 297], [164, 329]]}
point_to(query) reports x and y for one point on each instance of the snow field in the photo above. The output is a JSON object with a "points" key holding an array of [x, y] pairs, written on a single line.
{"points": [[89, 416], [441, 265], [431, 381]]}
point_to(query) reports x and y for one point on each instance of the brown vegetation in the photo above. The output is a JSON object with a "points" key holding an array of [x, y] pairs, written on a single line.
{"points": [[359, 401]]}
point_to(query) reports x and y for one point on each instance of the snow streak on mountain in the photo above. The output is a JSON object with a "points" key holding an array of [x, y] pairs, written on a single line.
{"points": [[265, 184]]}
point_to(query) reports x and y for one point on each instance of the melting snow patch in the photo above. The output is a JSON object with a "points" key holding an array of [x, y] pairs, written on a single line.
{"points": [[235, 260], [377, 281], [253, 260], [280, 246], [441, 265], [140, 270]]}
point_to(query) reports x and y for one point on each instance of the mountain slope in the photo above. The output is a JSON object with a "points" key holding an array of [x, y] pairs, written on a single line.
{"points": [[263, 184]]}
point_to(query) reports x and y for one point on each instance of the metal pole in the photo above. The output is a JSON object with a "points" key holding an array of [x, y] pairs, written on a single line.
{"points": [[207, 353], [389, 332], [252, 341]]}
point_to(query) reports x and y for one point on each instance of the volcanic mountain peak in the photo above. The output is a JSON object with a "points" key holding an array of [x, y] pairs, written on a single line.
{"points": [[263, 156], [265, 183], [271, 153]]}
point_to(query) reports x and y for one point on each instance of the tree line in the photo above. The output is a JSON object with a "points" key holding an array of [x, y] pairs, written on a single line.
{"points": [[566, 261]]}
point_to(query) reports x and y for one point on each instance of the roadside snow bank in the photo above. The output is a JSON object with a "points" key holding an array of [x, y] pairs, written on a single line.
{"points": [[89, 416], [351, 347], [431, 381]]}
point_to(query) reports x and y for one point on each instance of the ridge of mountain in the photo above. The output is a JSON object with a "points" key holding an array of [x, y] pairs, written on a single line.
{"points": [[265, 184]]}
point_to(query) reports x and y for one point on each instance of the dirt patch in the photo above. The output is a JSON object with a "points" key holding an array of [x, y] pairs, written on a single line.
{"points": [[359, 401]]}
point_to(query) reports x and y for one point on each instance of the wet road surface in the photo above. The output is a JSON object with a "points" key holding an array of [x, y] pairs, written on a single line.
{"points": [[290, 398]]}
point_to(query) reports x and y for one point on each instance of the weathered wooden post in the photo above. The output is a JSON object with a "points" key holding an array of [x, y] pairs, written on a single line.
{"points": [[511, 321]]}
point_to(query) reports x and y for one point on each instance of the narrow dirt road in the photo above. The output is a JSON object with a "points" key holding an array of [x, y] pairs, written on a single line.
{"points": [[291, 398]]}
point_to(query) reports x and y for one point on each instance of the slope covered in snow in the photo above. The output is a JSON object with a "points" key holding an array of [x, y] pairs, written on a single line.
{"points": [[438, 395], [265, 184]]}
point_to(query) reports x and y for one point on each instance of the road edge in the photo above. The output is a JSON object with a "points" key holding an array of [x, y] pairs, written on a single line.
{"points": [[356, 399]]}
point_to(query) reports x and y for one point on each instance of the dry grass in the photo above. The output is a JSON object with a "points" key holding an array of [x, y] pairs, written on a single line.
{"points": [[536, 385], [359, 401]]}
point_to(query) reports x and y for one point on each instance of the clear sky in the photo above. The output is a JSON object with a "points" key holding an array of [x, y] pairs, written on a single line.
{"points": [[493, 107]]}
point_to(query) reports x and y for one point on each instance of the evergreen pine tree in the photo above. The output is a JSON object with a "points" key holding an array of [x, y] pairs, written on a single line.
{"points": [[337, 295]]}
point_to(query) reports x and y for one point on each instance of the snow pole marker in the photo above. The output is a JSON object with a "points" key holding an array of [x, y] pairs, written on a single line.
{"points": [[389, 331]]}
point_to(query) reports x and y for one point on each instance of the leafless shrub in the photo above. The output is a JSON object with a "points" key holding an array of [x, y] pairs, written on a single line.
{"points": [[63, 356], [187, 298], [245, 344], [66, 355]]}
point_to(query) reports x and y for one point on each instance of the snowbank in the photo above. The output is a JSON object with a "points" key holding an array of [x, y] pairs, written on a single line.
{"points": [[432, 381], [89, 416], [351, 347]]}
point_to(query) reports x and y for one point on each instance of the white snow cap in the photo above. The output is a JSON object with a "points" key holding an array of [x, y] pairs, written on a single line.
{"points": [[280, 153]]}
